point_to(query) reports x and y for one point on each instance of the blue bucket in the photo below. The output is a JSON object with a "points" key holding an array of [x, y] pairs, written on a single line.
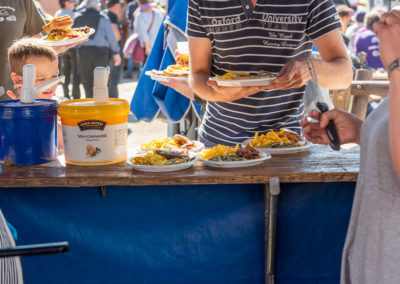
{"points": [[28, 132]]}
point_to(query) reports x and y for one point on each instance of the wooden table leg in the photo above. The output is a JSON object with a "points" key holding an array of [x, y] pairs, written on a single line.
{"points": [[271, 192]]}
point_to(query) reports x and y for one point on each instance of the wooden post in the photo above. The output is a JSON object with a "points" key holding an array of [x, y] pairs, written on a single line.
{"points": [[365, 88], [360, 103], [341, 98]]}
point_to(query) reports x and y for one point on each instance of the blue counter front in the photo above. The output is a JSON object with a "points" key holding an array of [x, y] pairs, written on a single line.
{"points": [[180, 233]]}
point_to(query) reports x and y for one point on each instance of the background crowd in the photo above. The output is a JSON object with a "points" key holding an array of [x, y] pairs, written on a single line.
{"points": [[113, 21], [116, 20]]}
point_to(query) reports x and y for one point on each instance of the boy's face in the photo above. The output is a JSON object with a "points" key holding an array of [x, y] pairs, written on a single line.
{"points": [[46, 70]]}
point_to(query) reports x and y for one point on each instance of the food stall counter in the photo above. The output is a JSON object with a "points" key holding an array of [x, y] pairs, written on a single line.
{"points": [[282, 221]]}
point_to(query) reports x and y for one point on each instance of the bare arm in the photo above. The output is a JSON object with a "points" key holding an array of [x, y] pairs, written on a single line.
{"points": [[388, 32], [200, 67], [334, 70], [394, 119], [200, 71], [116, 32]]}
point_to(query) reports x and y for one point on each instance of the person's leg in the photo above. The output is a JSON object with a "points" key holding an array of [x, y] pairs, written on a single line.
{"points": [[129, 68], [141, 65], [86, 70], [62, 66], [115, 76], [67, 72], [76, 92], [131, 65], [89, 59]]}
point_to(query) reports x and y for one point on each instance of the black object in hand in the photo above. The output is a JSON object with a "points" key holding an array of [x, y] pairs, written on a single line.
{"points": [[330, 129]]}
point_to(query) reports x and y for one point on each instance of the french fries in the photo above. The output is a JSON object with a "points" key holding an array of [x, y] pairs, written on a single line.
{"points": [[161, 143], [230, 75], [218, 151], [154, 159], [276, 139], [149, 159], [235, 75], [167, 143]]}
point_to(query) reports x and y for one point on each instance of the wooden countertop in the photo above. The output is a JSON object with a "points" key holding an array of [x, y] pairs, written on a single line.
{"points": [[316, 164]]}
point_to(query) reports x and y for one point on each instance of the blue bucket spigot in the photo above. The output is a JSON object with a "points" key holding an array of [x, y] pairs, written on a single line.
{"points": [[28, 127]]}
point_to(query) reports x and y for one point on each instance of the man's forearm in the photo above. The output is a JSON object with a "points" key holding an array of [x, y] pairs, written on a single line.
{"points": [[198, 83], [334, 74]]}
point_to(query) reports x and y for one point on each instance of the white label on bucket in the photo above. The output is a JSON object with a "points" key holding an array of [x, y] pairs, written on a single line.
{"points": [[100, 144]]}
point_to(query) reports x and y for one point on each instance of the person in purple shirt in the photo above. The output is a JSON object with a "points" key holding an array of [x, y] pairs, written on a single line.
{"points": [[368, 42]]}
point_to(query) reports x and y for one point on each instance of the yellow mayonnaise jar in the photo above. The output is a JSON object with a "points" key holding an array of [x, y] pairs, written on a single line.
{"points": [[94, 133]]}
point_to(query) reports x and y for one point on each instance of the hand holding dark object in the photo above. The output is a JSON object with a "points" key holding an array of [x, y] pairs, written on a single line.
{"points": [[330, 129], [348, 127]]}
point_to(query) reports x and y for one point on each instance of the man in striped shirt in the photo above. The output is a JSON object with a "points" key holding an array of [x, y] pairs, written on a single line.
{"points": [[271, 35]]}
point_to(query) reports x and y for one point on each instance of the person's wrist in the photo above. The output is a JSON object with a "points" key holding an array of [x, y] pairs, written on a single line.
{"points": [[197, 99], [394, 65]]}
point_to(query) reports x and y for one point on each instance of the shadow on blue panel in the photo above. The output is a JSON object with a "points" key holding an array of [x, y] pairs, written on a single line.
{"points": [[180, 234]]}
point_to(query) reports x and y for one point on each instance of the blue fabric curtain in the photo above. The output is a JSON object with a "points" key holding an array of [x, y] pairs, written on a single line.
{"points": [[150, 96]]}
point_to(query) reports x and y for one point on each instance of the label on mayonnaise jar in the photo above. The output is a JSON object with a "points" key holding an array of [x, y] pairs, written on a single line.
{"points": [[95, 142]]}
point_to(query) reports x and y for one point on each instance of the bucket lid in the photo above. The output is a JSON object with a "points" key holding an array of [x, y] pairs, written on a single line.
{"points": [[15, 109], [84, 108]]}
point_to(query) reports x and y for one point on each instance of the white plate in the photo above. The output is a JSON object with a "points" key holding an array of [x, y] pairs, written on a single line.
{"points": [[279, 151], [162, 78], [198, 147], [68, 41], [243, 82], [236, 164], [160, 169]]}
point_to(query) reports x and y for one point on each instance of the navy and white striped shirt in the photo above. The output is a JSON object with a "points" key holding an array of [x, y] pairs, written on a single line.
{"points": [[248, 39], [10, 267]]}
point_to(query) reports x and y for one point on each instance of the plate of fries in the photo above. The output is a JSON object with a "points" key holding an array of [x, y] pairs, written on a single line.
{"points": [[244, 79], [170, 143], [232, 157], [175, 71], [278, 142], [153, 162]]}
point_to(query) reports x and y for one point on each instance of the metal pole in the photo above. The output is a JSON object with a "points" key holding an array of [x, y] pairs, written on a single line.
{"points": [[271, 192]]}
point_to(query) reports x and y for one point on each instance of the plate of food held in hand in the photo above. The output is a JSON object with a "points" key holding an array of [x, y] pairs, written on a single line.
{"points": [[175, 71], [171, 143], [59, 32], [276, 142], [244, 79], [163, 160], [232, 157]]}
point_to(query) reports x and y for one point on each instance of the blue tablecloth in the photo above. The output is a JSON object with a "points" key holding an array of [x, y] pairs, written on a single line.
{"points": [[180, 234]]}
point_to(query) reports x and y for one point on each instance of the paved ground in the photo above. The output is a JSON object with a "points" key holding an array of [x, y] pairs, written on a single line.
{"points": [[138, 131]]}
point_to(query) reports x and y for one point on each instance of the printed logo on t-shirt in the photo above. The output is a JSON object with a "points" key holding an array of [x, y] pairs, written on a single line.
{"points": [[224, 24], [7, 14], [279, 34]]}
